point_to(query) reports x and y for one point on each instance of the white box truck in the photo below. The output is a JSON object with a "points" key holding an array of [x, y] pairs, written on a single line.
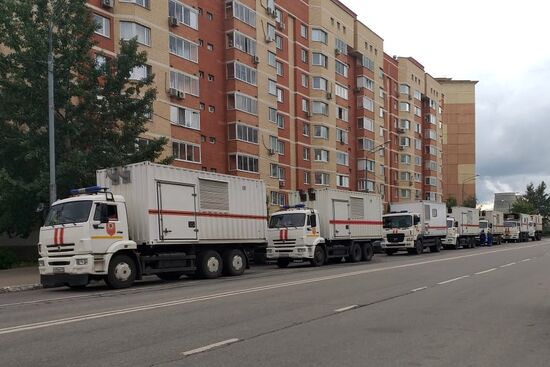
{"points": [[153, 219], [462, 228], [325, 224], [535, 227], [492, 222], [414, 226], [516, 227]]}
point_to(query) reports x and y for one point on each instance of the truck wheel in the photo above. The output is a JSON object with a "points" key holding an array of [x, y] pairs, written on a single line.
{"points": [[170, 276], [355, 254], [368, 252], [283, 263], [210, 264], [418, 248], [234, 262], [319, 256], [437, 246], [122, 272], [390, 252], [472, 242]]}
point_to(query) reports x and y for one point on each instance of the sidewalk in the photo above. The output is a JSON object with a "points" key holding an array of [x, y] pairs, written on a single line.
{"points": [[14, 279]]}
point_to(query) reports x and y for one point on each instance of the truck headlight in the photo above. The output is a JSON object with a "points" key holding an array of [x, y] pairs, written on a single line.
{"points": [[40, 262], [301, 249], [81, 261]]}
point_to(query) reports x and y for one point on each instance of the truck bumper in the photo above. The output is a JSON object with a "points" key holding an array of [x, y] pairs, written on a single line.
{"points": [[449, 240], [298, 252], [58, 280], [397, 245], [74, 270]]}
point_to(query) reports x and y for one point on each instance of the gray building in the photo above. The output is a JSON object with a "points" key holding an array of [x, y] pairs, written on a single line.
{"points": [[504, 201]]}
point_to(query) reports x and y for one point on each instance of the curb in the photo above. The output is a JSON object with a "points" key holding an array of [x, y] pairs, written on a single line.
{"points": [[20, 288]]}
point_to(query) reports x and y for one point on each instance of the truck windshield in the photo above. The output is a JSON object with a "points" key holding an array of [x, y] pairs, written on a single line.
{"points": [[71, 212], [450, 223], [398, 221], [287, 220], [482, 225], [509, 224]]}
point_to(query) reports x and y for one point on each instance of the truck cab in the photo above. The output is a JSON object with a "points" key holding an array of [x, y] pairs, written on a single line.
{"points": [[401, 231], [511, 231], [452, 233]]}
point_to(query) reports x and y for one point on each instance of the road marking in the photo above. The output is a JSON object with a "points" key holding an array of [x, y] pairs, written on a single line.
{"points": [[507, 265], [418, 289], [524, 260], [346, 308], [485, 271], [182, 301], [453, 280], [210, 346]]}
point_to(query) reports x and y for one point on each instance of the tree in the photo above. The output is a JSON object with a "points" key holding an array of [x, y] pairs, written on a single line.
{"points": [[99, 112], [451, 201], [534, 201], [470, 202]]}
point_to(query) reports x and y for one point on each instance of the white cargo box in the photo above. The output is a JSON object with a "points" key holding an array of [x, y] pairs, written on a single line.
{"points": [[468, 220], [346, 214], [167, 204], [433, 216], [495, 219], [523, 220], [536, 219]]}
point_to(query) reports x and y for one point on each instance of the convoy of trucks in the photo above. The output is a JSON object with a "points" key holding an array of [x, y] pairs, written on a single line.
{"points": [[150, 219]]}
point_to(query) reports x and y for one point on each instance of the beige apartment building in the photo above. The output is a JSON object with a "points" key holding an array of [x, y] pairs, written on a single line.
{"points": [[298, 94]]}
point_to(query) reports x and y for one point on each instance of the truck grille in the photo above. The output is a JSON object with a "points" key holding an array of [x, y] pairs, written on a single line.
{"points": [[66, 249], [283, 243], [396, 237]]}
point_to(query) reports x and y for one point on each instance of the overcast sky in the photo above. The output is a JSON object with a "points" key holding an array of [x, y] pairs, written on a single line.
{"points": [[505, 45]]}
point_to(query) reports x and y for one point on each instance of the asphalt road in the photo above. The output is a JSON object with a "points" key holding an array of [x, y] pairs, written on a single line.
{"points": [[480, 307]]}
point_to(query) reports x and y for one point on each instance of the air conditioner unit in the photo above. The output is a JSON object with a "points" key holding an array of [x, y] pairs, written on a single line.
{"points": [[108, 3], [269, 39], [400, 130], [173, 92], [173, 21], [337, 51], [270, 151], [255, 60], [329, 95], [180, 95], [401, 147], [273, 13]]}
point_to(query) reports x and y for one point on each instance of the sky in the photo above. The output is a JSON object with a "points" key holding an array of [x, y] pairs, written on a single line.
{"points": [[505, 46]]}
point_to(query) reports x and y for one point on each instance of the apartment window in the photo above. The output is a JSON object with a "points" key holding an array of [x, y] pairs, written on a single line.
{"points": [[341, 46], [305, 129], [303, 31], [210, 47], [277, 145], [209, 16], [270, 33], [242, 102], [405, 142], [184, 82], [365, 123], [417, 161], [103, 26], [366, 144], [366, 63], [185, 117], [306, 177], [432, 166], [278, 198], [241, 42], [342, 181], [405, 193], [341, 68], [366, 103], [243, 132], [320, 155], [417, 144], [341, 91], [404, 89], [277, 171], [318, 35], [417, 111], [319, 83], [417, 95], [278, 42], [432, 134], [279, 68], [280, 121], [242, 162], [280, 95], [305, 105], [342, 136], [129, 30], [342, 158], [185, 14], [322, 178], [430, 149], [431, 119], [140, 72], [364, 82], [100, 61], [142, 3], [405, 159], [320, 108], [320, 131], [405, 176], [417, 128], [184, 48], [404, 107], [319, 59], [271, 59], [417, 177], [236, 70], [272, 87], [305, 153], [342, 113], [431, 181], [272, 115], [304, 56], [244, 13], [305, 80], [184, 151]]}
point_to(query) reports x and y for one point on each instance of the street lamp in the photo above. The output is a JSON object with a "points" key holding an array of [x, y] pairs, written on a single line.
{"points": [[374, 150], [463, 182]]}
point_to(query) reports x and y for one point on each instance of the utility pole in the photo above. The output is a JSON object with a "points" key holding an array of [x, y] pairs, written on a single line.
{"points": [[51, 114]]}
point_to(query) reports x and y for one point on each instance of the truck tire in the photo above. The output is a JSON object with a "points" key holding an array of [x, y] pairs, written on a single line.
{"points": [[418, 248], [437, 246], [390, 252], [234, 262], [319, 257], [368, 252], [283, 263], [355, 253], [170, 276], [210, 264], [121, 273]]}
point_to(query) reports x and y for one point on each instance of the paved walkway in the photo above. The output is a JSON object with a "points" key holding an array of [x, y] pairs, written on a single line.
{"points": [[19, 276]]}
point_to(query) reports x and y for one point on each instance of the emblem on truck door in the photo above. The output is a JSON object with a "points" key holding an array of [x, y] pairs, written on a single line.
{"points": [[111, 228]]}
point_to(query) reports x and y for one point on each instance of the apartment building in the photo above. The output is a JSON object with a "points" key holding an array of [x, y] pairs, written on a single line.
{"points": [[298, 94]]}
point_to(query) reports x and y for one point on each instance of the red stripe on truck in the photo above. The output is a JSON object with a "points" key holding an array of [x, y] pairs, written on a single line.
{"points": [[431, 227], [367, 222], [206, 214]]}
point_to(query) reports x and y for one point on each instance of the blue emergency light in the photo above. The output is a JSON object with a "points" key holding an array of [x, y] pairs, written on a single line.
{"points": [[297, 206], [88, 190]]}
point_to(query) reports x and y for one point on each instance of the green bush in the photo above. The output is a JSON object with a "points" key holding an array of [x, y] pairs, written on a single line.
{"points": [[7, 259]]}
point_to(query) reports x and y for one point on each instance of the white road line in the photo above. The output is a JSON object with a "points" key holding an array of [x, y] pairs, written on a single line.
{"points": [[346, 308], [182, 301], [485, 271], [524, 260], [211, 346], [507, 265], [453, 280], [418, 289]]}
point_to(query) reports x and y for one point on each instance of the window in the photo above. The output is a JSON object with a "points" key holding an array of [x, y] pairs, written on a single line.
{"points": [[272, 114], [185, 117], [319, 83], [320, 131], [142, 3], [404, 89], [140, 72], [241, 42], [278, 198], [184, 14], [112, 212], [342, 136], [129, 30], [320, 108], [417, 161], [380, 112], [306, 177], [103, 26], [405, 176], [303, 31], [279, 68], [431, 181], [184, 48], [417, 144], [244, 13], [305, 154], [243, 132], [432, 166], [405, 142], [188, 152], [271, 59], [342, 113], [320, 155], [431, 119], [242, 102], [417, 95], [184, 82], [365, 123], [432, 134], [366, 103], [341, 68], [276, 145], [381, 132], [404, 107], [319, 59], [366, 144], [342, 181], [100, 61], [305, 105], [405, 124], [243, 162], [305, 80], [277, 171], [318, 35], [341, 46], [364, 82], [405, 159], [322, 178], [405, 193], [417, 111], [280, 95], [270, 34], [278, 42], [236, 70], [341, 91], [417, 177], [305, 129], [272, 87], [366, 63], [280, 121], [365, 164], [342, 158], [304, 56], [417, 128], [430, 149]]}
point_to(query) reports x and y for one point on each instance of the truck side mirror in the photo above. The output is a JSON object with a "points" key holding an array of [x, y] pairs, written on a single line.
{"points": [[456, 224], [313, 220], [490, 225], [416, 219], [104, 214]]}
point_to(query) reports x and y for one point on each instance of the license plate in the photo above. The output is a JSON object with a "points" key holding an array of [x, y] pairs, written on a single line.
{"points": [[58, 270], [283, 255]]}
